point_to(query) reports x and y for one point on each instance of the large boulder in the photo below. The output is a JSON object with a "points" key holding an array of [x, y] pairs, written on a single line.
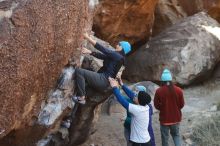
{"points": [[214, 12], [190, 49], [66, 120], [37, 38], [168, 12], [216, 73], [124, 20]]}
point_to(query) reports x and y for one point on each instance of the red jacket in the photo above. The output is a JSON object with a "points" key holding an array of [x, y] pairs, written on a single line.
{"points": [[169, 105]]}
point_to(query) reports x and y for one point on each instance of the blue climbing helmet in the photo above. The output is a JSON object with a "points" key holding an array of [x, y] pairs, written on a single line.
{"points": [[126, 46], [166, 75], [140, 88]]}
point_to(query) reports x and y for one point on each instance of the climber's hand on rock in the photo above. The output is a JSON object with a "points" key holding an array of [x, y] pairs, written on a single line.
{"points": [[89, 38], [113, 82], [86, 35], [86, 51]]}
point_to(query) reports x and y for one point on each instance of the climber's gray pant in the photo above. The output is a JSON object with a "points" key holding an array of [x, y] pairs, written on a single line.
{"points": [[95, 80]]}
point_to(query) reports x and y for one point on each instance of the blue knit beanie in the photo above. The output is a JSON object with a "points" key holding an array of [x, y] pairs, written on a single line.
{"points": [[141, 88], [125, 46], [166, 75]]}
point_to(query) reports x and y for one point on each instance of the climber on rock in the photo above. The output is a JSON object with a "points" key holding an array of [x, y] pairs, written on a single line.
{"points": [[139, 111], [112, 62]]}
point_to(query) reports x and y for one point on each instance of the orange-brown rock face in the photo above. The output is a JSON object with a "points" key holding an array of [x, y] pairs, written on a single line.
{"points": [[37, 37], [192, 7], [215, 11], [129, 20], [168, 12]]}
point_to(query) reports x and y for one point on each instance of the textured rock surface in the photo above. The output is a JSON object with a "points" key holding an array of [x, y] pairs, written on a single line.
{"points": [[37, 38], [129, 20], [168, 12], [190, 48], [57, 112]]}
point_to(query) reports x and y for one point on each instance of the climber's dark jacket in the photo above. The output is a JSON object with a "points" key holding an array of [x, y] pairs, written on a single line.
{"points": [[112, 60]]}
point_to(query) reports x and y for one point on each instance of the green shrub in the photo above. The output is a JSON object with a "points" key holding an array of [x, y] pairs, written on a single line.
{"points": [[218, 106], [207, 133]]}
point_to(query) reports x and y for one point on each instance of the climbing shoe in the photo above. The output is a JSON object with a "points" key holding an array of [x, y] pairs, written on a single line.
{"points": [[66, 123], [77, 99]]}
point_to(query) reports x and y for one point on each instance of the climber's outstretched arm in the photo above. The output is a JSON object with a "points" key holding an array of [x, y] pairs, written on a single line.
{"points": [[110, 53], [99, 55]]}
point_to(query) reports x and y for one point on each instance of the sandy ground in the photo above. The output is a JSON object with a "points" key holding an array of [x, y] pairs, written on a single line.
{"points": [[200, 100], [110, 131]]}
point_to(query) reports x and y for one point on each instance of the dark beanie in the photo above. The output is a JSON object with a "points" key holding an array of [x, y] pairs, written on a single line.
{"points": [[143, 98]]}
